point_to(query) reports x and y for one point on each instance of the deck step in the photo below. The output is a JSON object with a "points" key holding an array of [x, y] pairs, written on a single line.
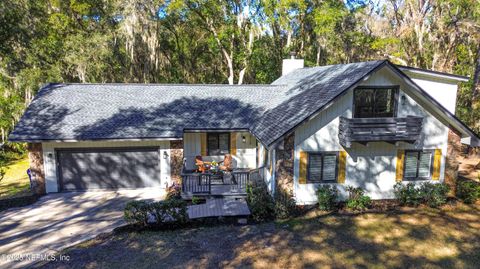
{"points": [[219, 207]]}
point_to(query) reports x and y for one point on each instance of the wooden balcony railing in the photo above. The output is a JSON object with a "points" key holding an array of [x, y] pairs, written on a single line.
{"points": [[196, 183], [391, 130]]}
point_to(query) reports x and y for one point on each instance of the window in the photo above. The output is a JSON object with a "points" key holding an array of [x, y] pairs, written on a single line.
{"points": [[375, 102], [418, 165], [322, 167], [218, 143]]}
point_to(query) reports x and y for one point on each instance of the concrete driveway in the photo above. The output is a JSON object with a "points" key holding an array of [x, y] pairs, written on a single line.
{"points": [[60, 220]]}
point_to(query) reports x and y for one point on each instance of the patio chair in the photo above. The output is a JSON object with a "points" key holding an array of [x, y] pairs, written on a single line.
{"points": [[227, 163], [201, 167]]}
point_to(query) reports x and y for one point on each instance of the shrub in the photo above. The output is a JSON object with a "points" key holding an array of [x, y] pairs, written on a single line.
{"points": [[407, 194], [327, 196], [260, 202], [434, 195], [170, 211], [468, 191], [195, 200], [285, 206], [136, 212], [357, 200], [174, 191]]}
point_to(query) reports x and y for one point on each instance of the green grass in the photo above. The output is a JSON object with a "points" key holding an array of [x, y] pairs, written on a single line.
{"points": [[411, 238], [15, 182]]}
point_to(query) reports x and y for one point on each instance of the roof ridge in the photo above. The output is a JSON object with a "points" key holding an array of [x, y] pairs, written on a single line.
{"points": [[156, 84], [331, 65]]}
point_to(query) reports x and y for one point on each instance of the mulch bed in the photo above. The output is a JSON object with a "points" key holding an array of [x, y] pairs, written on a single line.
{"points": [[18, 201]]}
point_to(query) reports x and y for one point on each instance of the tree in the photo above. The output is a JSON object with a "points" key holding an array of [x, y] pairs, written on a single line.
{"points": [[232, 25]]}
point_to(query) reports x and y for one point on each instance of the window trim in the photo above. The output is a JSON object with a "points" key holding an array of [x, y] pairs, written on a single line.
{"points": [[418, 151], [218, 142], [396, 93], [322, 153]]}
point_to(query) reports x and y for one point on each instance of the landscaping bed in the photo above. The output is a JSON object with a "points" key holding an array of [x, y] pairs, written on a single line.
{"points": [[448, 237]]}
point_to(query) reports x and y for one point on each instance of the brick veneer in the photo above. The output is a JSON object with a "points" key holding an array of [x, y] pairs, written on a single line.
{"points": [[454, 148], [176, 160], [35, 155]]}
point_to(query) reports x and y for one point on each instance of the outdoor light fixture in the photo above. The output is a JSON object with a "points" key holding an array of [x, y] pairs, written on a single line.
{"points": [[244, 139], [404, 99], [165, 155]]}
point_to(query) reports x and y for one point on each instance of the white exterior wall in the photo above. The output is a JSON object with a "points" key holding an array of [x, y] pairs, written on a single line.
{"points": [[445, 92], [371, 167], [49, 158], [246, 156]]}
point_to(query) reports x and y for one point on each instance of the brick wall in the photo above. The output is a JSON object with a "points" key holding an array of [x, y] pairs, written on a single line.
{"points": [[176, 160], [35, 155], [453, 151]]}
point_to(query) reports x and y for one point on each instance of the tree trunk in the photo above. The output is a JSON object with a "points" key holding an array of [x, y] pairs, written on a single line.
{"points": [[476, 81], [249, 48]]}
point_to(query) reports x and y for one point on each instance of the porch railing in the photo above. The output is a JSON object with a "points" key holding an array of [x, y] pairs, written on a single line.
{"points": [[201, 183], [240, 181], [196, 183]]}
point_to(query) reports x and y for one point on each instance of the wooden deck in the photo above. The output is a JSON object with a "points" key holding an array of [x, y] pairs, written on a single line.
{"points": [[219, 207]]}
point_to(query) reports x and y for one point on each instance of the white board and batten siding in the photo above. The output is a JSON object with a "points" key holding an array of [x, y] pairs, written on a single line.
{"points": [[444, 90], [245, 157], [50, 166], [371, 167]]}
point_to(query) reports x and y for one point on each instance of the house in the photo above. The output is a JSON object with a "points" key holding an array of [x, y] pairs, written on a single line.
{"points": [[368, 124]]}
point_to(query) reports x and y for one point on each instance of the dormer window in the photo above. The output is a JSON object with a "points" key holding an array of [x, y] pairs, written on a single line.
{"points": [[375, 102]]}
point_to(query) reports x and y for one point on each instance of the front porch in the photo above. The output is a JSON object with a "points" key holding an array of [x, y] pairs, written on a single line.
{"points": [[227, 184], [200, 147]]}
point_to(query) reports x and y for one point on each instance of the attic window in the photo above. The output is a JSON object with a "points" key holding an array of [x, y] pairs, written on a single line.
{"points": [[375, 102]]}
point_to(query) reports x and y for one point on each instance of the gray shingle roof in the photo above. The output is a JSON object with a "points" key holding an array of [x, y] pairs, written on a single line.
{"points": [[132, 111], [127, 111]]}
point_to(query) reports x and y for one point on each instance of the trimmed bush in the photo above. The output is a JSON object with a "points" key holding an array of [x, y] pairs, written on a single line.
{"points": [[327, 196], [357, 200], [260, 202], [431, 194], [151, 214], [468, 191], [434, 195], [169, 211], [407, 194], [136, 212]]}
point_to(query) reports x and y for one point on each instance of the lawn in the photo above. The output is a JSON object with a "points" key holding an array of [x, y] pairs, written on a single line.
{"points": [[15, 182], [408, 238]]}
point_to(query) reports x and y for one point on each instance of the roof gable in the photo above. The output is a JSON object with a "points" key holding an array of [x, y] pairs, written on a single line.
{"points": [[310, 90]]}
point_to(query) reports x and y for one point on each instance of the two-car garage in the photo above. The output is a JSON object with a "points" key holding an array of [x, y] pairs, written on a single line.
{"points": [[80, 169]]}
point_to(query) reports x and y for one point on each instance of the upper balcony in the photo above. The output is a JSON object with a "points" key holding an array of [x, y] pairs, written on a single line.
{"points": [[391, 130]]}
